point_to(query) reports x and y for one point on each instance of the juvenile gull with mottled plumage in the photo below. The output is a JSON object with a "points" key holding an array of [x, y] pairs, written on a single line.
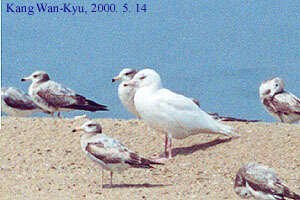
{"points": [[261, 182], [54, 97], [15, 102], [278, 102], [108, 152]]}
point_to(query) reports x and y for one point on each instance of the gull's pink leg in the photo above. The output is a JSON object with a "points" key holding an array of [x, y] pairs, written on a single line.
{"points": [[170, 148], [102, 177], [111, 175], [52, 115], [58, 114], [164, 155], [166, 145]]}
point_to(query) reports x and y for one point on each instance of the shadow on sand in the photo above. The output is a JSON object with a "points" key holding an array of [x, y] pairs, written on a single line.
{"points": [[144, 185], [197, 147]]}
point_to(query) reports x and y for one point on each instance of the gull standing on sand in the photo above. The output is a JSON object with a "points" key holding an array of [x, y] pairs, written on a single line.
{"points": [[15, 102], [261, 182], [172, 114], [110, 154], [54, 97], [278, 102], [126, 93]]}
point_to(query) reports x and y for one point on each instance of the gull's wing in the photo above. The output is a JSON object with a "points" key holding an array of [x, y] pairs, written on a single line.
{"points": [[57, 95], [110, 151], [15, 98], [261, 182], [265, 180], [286, 102], [174, 110], [105, 155]]}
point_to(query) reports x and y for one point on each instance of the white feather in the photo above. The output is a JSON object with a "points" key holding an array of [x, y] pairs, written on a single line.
{"points": [[171, 113]]}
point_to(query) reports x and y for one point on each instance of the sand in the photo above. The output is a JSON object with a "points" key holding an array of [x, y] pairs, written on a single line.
{"points": [[41, 159]]}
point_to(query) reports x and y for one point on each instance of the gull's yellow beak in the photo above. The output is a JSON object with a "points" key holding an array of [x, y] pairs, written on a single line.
{"points": [[115, 79], [26, 79], [77, 129]]}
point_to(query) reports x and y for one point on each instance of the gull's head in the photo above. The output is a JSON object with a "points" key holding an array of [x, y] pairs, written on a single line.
{"points": [[240, 185], [239, 178], [145, 78], [271, 87], [89, 127], [264, 90], [125, 75], [278, 85], [38, 76]]}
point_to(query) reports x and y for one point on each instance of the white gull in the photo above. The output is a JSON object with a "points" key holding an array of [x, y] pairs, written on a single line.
{"points": [[126, 93], [172, 114]]}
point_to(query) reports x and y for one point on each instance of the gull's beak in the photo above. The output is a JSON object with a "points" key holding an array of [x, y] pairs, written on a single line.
{"points": [[272, 94], [26, 79], [267, 92], [77, 129], [115, 79], [131, 83]]}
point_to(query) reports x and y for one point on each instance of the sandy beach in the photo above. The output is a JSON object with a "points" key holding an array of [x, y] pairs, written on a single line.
{"points": [[41, 159]]}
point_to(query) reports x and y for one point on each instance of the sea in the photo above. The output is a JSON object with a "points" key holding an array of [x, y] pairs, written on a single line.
{"points": [[216, 52]]}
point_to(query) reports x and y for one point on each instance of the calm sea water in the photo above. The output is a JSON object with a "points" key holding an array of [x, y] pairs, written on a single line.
{"points": [[217, 52]]}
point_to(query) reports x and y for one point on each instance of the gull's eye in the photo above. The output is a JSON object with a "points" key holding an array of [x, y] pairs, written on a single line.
{"points": [[143, 77], [128, 73], [34, 76], [276, 85]]}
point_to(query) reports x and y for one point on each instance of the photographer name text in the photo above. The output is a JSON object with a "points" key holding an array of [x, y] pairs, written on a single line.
{"points": [[75, 9]]}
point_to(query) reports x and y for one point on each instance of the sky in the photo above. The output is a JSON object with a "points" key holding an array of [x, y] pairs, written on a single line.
{"points": [[215, 51]]}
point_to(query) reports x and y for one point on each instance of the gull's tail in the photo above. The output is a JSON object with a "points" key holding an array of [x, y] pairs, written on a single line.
{"points": [[138, 162], [93, 106], [288, 193], [86, 104], [226, 130]]}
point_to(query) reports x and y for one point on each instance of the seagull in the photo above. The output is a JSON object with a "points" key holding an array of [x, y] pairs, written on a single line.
{"points": [[174, 115], [261, 182], [54, 97], [16, 103], [278, 102], [126, 93], [110, 154]]}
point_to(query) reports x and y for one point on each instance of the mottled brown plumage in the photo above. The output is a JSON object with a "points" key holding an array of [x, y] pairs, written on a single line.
{"points": [[278, 102], [54, 97], [261, 182], [108, 152]]}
